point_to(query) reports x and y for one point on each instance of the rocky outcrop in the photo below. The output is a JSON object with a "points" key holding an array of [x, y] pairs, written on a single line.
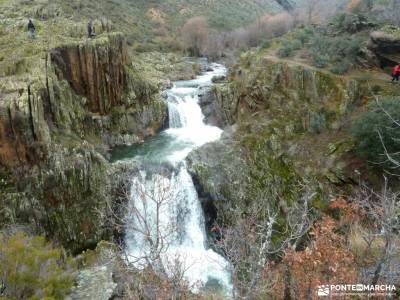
{"points": [[89, 89], [289, 140], [96, 281], [22, 117], [95, 70], [214, 170], [385, 44], [280, 89], [56, 124], [212, 112]]}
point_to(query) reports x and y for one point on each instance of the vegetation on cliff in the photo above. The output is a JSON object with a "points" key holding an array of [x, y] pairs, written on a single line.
{"points": [[31, 268], [291, 189], [303, 134]]}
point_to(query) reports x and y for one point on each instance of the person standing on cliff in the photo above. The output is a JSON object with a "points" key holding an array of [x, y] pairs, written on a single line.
{"points": [[396, 73], [90, 29], [31, 29]]}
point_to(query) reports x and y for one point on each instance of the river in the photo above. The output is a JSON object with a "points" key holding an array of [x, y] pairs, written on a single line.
{"points": [[165, 224]]}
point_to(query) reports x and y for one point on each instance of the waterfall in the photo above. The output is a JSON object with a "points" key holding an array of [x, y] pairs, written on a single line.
{"points": [[176, 116], [165, 221]]}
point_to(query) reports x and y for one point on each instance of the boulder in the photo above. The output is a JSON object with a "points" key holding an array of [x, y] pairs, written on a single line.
{"points": [[385, 44], [96, 281], [211, 110], [386, 41], [214, 170], [219, 79]]}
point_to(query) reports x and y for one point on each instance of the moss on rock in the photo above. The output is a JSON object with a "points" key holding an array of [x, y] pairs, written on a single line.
{"points": [[53, 128]]}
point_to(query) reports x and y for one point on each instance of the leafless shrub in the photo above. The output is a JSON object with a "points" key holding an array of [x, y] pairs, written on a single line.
{"points": [[144, 218], [381, 211], [142, 213], [138, 208], [266, 27], [277, 25], [316, 11], [195, 35], [390, 156], [251, 242], [388, 12]]}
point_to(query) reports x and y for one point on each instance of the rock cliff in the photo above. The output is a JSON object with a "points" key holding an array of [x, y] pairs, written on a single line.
{"points": [[95, 70], [210, 108], [57, 123], [290, 138], [385, 44]]}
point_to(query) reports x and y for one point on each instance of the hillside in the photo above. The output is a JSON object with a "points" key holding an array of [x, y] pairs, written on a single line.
{"points": [[147, 25], [140, 20]]}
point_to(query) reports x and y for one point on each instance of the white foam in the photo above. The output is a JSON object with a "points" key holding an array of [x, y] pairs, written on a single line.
{"points": [[189, 243]]}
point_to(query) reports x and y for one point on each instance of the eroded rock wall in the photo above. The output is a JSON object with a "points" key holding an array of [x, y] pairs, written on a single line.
{"points": [[280, 89], [289, 138], [95, 70], [56, 125], [385, 45]]}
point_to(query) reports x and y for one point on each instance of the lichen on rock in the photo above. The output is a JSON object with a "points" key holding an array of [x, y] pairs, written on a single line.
{"points": [[57, 123], [289, 140]]}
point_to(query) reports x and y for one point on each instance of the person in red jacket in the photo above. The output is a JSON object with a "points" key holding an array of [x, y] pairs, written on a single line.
{"points": [[396, 73]]}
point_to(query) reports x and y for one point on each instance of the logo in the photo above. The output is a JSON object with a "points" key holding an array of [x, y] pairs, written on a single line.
{"points": [[355, 290], [323, 290]]}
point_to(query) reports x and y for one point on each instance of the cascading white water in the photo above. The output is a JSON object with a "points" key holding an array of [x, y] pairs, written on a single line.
{"points": [[166, 221]]}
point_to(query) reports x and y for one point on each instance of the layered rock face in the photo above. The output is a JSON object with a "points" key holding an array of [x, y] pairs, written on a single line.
{"points": [[95, 70], [289, 140], [56, 123], [210, 108], [280, 90], [386, 47]]}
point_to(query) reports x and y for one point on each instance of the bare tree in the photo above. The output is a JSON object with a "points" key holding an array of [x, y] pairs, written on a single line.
{"points": [[249, 244], [215, 46], [147, 218], [316, 11], [382, 215], [312, 8], [390, 156], [390, 12], [143, 213], [195, 35]]}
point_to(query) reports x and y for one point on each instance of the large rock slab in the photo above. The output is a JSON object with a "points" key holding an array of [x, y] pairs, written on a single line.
{"points": [[210, 108], [95, 69], [385, 44]]}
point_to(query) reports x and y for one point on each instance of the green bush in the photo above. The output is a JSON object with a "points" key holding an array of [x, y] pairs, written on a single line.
{"points": [[351, 23], [265, 44], [284, 52], [288, 48], [376, 89], [318, 50], [304, 35], [341, 67], [32, 269], [367, 127], [326, 50], [320, 61]]}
